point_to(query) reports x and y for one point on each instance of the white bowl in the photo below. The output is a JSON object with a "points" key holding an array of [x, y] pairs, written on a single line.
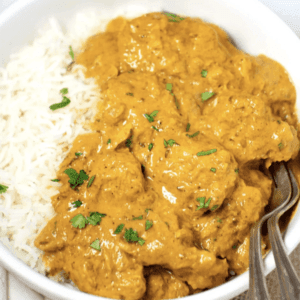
{"points": [[253, 28]]}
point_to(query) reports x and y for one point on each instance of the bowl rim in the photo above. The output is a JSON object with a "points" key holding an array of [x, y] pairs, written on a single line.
{"points": [[238, 285]]}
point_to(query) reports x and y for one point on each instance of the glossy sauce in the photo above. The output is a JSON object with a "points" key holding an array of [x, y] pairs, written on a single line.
{"points": [[247, 123]]}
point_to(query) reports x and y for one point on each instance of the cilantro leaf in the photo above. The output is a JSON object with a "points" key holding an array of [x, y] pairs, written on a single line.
{"points": [[154, 113], [62, 104], [75, 178], [138, 218], [169, 142], [188, 127], [206, 95], [169, 87], [55, 180], [150, 147], [71, 53], [204, 73], [148, 224], [78, 154], [132, 236], [214, 207], [208, 152], [176, 102], [95, 218], [280, 146], [154, 128], [79, 221], [3, 188], [129, 94], [77, 203], [147, 209], [234, 246], [119, 229], [202, 202], [64, 91], [150, 117], [213, 170], [236, 170], [96, 244], [141, 241], [129, 142], [193, 135], [91, 181], [173, 18], [109, 141]]}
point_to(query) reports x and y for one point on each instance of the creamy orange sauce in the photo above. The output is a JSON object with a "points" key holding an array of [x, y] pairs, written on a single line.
{"points": [[153, 168]]}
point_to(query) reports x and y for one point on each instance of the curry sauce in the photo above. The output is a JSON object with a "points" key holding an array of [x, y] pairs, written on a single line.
{"points": [[158, 200]]}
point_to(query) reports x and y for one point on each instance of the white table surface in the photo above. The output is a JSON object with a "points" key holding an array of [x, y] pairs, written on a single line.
{"points": [[289, 12]]}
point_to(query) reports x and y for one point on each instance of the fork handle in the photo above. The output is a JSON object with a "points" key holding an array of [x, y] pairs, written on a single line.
{"points": [[288, 279], [258, 287]]}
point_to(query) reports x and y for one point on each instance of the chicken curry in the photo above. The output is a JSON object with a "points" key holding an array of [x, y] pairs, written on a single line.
{"points": [[158, 200]]}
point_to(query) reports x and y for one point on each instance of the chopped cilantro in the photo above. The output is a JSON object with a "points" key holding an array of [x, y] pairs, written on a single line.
{"points": [[75, 178], [91, 181], [119, 229], [95, 218], [219, 220], [193, 135], [234, 246], [96, 244], [208, 152], [132, 236], [71, 53], [150, 147], [204, 73], [109, 141], [173, 18], [154, 128], [280, 146], [138, 218], [236, 170], [206, 95], [213, 170], [129, 142], [169, 87], [129, 94], [150, 117], [176, 102], [147, 209], [278, 121], [188, 127], [55, 180], [169, 142], [3, 188], [77, 203], [78, 153], [79, 221], [214, 207], [202, 202], [64, 91], [62, 104], [148, 224]]}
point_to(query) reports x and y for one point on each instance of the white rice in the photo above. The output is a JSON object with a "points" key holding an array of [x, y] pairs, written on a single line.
{"points": [[32, 137]]}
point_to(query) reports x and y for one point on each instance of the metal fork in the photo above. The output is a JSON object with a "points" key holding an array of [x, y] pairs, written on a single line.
{"points": [[288, 279], [282, 193]]}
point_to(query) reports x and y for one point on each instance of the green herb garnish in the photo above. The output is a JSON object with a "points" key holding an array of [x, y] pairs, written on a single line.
{"points": [[214, 207], [119, 229], [278, 121], [154, 128], [204, 73], [109, 141], [173, 18], [236, 170], [71, 53], [147, 209], [54, 180], [62, 104], [169, 143], [202, 202], [234, 246], [138, 218], [280, 146], [169, 87], [206, 95], [3, 188], [219, 220], [132, 236], [64, 91], [148, 224], [193, 135], [129, 94], [129, 142], [208, 152], [213, 170], [76, 179], [77, 203], [91, 181], [79, 221], [188, 127], [96, 245], [78, 153], [150, 147], [95, 218], [150, 117]]}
